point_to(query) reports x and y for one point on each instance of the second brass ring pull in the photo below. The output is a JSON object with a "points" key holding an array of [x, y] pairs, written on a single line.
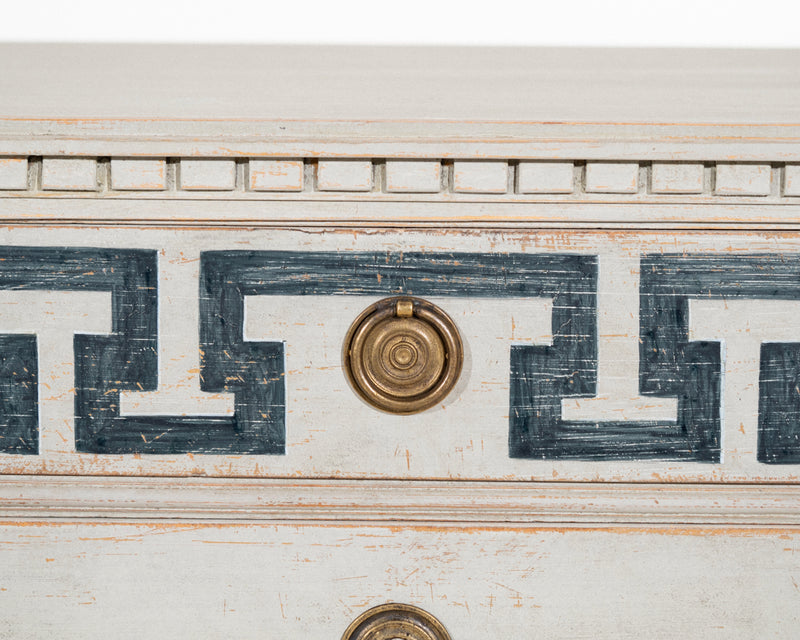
{"points": [[403, 355], [396, 621]]}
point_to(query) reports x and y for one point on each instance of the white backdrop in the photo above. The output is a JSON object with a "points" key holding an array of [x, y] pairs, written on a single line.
{"points": [[716, 23]]}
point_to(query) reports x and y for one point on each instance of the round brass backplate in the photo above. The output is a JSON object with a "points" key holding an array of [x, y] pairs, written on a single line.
{"points": [[403, 355], [391, 621]]}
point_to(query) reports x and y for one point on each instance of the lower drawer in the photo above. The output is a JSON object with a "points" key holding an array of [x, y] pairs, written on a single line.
{"points": [[170, 580]]}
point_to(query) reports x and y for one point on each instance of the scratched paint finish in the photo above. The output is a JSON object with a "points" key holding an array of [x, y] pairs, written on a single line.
{"points": [[289, 308], [568, 281], [310, 581], [19, 425], [124, 360]]}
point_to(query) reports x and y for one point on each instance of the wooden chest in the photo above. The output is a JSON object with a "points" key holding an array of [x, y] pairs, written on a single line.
{"points": [[399, 343]]}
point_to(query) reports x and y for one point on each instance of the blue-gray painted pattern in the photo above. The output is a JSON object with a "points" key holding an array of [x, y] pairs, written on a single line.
{"points": [[540, 376]]}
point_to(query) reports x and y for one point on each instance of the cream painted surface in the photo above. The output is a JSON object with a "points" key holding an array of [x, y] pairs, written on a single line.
{"points": [[612, 177], [270, 318], [329, 429], [743, 326], [530, 192], [178, 392], [276, 175], [54, 317], [545, 177], [108, 499], [442, 87], [743, 179], [69, 174], [140, 174], [617, 398], [344, 175], [480, 176], [426, 140], [413, 176], [207, 174], [418, 211], [13, 173], [170, 580], [675, 177], [791, 184]]}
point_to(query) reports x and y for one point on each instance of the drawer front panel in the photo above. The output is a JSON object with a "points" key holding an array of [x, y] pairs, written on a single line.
{"points": [[292, 581], [587, 355]]}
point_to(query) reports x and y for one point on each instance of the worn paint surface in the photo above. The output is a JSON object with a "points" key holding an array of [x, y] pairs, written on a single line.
{"points": [[607, 384], [290, 581], [177, 277]]}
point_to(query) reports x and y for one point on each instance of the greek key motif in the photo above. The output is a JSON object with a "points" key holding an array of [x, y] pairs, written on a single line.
{"points": [[125, 359], [648, 353]]}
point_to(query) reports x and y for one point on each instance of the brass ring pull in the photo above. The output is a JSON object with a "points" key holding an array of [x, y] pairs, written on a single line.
{"points": [[390, 621], [403, 355]]}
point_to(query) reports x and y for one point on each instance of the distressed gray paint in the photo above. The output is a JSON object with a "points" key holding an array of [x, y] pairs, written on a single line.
{"points": [[667, 283]]}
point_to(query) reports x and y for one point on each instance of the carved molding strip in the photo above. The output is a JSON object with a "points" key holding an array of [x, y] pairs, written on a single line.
{"points": [[425, 502], [390, 179]]}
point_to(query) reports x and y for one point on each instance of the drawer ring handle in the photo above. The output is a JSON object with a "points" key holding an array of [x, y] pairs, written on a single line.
{"points": [[403, 355], [394, 620]]}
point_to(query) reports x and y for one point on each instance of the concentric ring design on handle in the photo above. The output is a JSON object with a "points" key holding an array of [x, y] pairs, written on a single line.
{"points": [[390, 621], [403, 355]]}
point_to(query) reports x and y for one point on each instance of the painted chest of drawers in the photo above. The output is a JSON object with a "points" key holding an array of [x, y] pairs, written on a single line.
{"points": [[399, 343]]}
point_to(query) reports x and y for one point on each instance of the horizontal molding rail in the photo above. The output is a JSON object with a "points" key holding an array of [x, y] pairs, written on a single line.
{"points": [[34, 498], [398, 214], [385, 137], [571, 178]]}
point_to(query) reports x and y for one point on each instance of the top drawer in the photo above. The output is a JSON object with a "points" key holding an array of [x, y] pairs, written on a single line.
{"points": [[587, 355]]}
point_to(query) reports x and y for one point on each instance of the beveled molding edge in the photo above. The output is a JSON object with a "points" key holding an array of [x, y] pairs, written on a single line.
{"points": [[514, 180], [406, 137], [443, 503]]}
